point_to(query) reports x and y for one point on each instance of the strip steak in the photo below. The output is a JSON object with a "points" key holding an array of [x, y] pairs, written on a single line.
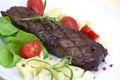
{"points": [[60, 40]]}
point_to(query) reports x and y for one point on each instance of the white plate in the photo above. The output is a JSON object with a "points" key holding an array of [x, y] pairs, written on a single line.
{"points": [[106, 24]]}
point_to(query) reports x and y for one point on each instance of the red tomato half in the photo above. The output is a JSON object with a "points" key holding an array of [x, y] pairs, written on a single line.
{"points": [[89, 32], [30, 49], [70, 22], [35, 5]]}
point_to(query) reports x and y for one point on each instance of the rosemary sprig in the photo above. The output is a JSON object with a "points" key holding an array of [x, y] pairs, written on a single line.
{"points": [[71, 76], [50, 20], [42, 18], [38, 61], [58, 66], [50, 72], [69, 60], [46, 68]]}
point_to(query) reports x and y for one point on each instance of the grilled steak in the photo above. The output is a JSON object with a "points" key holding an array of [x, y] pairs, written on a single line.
{"points": [[59, 39]]}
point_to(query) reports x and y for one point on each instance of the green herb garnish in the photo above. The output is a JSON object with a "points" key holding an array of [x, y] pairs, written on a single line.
{"points": [[63, 63], [48, 19], [71, 76], [41, 18], [38, 61], [65, 60], [43, 7], [50, 72]]}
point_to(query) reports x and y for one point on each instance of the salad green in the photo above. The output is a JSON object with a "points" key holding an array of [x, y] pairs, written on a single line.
{"points": [[13, 39]]}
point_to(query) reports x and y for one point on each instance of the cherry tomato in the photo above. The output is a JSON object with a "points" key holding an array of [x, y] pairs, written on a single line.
{"points": [[30, 49], [89, 32], [36, 6], [70, 22]]}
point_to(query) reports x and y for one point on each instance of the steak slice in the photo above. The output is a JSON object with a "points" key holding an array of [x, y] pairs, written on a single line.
{"points": [[59, 39]]}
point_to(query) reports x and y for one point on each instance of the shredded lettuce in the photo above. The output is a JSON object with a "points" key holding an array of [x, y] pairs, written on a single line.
{"points": [[13, 39]]}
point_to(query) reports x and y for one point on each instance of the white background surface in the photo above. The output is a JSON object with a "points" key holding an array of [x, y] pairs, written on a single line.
{"points": [[113, 3], [106, 23]]}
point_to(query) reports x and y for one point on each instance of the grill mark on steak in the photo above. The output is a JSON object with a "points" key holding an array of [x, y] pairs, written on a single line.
{"points": [[61, 40]]}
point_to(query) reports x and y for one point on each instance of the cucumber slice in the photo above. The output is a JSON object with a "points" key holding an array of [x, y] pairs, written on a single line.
{"points": [[45, 74], [88, 75], [77, 72]]}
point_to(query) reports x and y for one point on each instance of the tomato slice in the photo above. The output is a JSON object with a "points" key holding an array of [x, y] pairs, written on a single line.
{"points": [[36, 6], [70, 22], [30, 49], [89, 32]]}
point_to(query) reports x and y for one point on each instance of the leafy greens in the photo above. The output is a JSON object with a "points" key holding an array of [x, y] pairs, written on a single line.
{"points": [[13, 39]]}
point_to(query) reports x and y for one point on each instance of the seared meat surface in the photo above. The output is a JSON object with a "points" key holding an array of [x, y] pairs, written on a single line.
{"points": [[59, 39]]}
